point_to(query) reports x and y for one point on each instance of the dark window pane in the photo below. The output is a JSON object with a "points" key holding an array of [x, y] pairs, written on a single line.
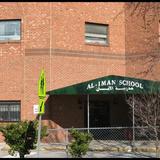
{"points": [[96, 28], [9, 111]]}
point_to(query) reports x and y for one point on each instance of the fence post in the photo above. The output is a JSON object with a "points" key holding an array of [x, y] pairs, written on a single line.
{"points": [[67, 136], [88, 118], [67, 142], [133, 136]]}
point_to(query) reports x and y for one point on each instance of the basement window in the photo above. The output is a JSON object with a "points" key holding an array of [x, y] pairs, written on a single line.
{"points": [[9, 30], [9, 111], [96, 33]]}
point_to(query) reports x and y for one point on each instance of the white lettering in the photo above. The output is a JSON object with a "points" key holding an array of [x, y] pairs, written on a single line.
{"points": [[125, 83], [108, 83], [140, 86], [120, 82], [137, 84], [90, 86], [113, 82], [103, 83], [130, 83]]}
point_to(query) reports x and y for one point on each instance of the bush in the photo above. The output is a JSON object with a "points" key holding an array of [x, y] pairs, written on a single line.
{"points": [[80, 143], [21, 137]]}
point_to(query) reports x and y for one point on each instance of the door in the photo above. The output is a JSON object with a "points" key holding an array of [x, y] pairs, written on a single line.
{"points": [[99, 114]]}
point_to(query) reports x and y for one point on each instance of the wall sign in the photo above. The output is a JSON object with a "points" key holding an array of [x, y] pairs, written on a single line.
{"points": [[35, 108], [118, 85]]}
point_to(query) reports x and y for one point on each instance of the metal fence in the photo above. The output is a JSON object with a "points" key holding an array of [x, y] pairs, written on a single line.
{"points": [[63, 136]]}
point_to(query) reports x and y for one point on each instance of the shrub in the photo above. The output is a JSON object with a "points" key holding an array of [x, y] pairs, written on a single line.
{"points": [[21, 137], [80, 144]]}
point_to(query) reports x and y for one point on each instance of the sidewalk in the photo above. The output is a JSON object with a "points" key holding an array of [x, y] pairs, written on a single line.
{"points": [[100, 146], [123, 146], [113, 146]]}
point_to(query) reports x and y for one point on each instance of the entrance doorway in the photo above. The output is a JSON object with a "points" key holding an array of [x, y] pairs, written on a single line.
{"points": [[99, 114]]}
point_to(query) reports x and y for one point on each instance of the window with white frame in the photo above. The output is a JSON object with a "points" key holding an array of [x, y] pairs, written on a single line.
{"points": [[9, 111], [96, 33], [9, 30]]}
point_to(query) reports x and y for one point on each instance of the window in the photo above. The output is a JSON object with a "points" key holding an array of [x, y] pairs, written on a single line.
{"points": [[96, 33], [9, 30], [9, 111]]}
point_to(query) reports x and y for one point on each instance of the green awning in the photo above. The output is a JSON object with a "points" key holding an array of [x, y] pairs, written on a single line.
{"points": [[110, 85]]}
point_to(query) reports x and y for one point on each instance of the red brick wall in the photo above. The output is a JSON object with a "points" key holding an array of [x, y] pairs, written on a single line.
{"points": [[52, 38], [141, 41]]}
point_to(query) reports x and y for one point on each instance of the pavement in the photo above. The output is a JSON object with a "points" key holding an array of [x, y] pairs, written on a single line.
{"points": [[96, 149], [123, 146], [90, 154], [112, 146]]}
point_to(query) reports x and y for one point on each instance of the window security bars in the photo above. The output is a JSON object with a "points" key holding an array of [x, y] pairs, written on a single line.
{"points": [[9, 111]]}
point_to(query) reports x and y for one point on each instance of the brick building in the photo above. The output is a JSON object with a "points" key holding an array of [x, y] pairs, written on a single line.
{"points": [[74, 42]]}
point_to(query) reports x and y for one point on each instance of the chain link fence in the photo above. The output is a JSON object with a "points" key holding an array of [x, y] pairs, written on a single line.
{"points": [[62, 136], [105, 137]]}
